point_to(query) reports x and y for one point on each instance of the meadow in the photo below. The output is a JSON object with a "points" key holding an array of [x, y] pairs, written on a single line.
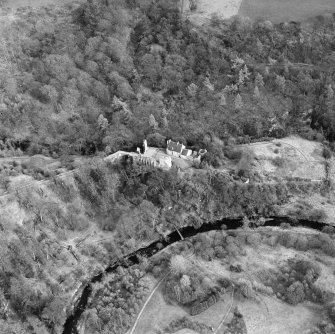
{"points": [[285, 10]]}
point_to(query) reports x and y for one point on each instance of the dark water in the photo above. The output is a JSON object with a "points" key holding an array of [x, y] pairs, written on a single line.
{"points": [[70, 326]]}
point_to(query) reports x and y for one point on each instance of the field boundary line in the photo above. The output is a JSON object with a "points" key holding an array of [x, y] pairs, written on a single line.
{"points": [[147, 302], [227, 313]]}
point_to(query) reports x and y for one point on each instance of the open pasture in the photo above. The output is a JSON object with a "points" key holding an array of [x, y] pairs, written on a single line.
{"points": [[285, 10]]}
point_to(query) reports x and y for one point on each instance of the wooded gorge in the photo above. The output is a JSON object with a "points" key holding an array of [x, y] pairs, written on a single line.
{"points": [[104, 75], [99, 77]]}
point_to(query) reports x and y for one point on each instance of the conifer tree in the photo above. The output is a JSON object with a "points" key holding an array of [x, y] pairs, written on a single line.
{"points": [[257, 94], [102, 122], [164, 122], [223, 101], [330, 92], [185, 281], [208, 84], [238, 102], [259, 45], [152, 121], [330, 97], [192, 89], [280, 82], [259, 82]]}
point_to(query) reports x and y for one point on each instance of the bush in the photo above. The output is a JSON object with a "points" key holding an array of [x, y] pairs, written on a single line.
{"points": [[4, 182], [295, 293], [77, 222], [232, 153], [184, 322], [156, 140], [331, 311], [244, 166], [326, 153], [328, 229], [16, 163], [215, 155], [317, 215], [193, 5], [278, 161]]}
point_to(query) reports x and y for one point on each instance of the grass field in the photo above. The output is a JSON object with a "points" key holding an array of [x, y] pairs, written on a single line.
{"points": [[285, 10], [206, 8], [262, 313], [300, 158], [159, 314], [269, 314], [282, 318]]}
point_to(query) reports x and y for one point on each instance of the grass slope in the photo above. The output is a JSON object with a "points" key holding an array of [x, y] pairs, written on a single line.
{"points": [[285, 10], [224, 8]]}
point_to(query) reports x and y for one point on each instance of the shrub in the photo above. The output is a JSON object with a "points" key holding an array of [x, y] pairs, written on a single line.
{"points": [[156, 140], [157, 271], [193, 5], [285, 226], [232, 153], [77, 222], [19, 169], [331, 311], [302, 243], [278, 161], [295, 293], [39, 177], [16, 163], [4, 182], [253, 239], [66, 192], [328, 229], [326, 153], [326, 243], [184, 322], [317, 215], [244, 166]]}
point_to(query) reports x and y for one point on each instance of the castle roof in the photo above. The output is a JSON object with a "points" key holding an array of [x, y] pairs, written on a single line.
{"points": [[184, 152], [175, 147]]}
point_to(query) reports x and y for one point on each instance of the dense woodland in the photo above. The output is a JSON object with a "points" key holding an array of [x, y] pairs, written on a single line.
{"points": [[139, 201], [103, 76], [132, 205]]}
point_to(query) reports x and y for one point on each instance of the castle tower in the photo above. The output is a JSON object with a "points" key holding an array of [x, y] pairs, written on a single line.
{"points": [[145, 145]]}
